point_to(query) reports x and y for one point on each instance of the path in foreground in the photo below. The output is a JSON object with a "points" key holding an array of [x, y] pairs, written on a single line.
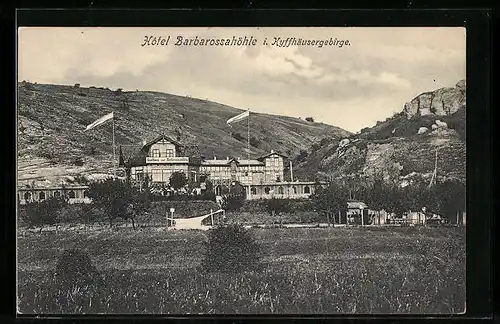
{"points": [[340, 270]]}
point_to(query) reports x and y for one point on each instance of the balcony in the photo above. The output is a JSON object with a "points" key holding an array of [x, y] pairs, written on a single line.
{"points": [[176, 159]]}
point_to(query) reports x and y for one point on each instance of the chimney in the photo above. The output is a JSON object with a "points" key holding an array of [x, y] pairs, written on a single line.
{"points": [[227, 158], [215, 158], [272, 151], [144, 142]]}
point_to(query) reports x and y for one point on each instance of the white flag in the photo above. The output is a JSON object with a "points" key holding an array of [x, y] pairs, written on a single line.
{"points": [[100, 121], [238, 118]]}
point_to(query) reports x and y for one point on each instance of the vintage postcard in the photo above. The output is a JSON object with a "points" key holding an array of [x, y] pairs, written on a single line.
{"points": [[241, 170]]}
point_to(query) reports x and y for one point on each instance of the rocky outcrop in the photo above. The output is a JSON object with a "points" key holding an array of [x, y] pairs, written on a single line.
{"points": [[442, 102], [422, 130], [400, 146], [344, 142]]}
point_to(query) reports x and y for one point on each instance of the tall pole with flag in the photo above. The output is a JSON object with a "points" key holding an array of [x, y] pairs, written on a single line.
{"points": [[114, 154], [248, 153], [238, 118], [100, 121]]}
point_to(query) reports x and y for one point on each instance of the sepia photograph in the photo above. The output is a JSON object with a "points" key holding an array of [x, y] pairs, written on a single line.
{"points": [[241, 170]]}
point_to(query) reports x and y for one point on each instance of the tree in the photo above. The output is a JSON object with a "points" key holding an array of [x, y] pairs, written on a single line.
{"points": [[330, 200], [45, 212], [117, 198], [276, 206], [178, 180], [209, 185], [208, 195], [449, 198], [233, 202]]}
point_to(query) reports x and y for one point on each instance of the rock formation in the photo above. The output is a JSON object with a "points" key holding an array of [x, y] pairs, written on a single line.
{"points": [[442, 102], [422, 130]]}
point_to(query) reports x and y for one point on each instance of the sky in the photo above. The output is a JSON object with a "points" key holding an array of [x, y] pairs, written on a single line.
{"points": [[352, 86]]}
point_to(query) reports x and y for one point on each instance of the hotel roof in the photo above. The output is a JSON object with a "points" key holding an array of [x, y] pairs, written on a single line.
{"points": [[227, 162]]}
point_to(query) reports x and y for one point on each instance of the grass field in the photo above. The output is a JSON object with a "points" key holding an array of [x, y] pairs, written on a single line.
{"points": [[327, 271]]}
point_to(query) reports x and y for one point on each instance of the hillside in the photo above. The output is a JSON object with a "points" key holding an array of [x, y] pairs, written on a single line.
{"points": [[402, 146], [53, 146]]}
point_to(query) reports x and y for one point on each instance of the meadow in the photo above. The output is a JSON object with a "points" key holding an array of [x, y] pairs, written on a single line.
{"points": [[369, 270]]}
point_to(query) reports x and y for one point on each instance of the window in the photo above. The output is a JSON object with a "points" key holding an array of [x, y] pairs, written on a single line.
{"points": [[155, 153], [57, 194], [170, 153], [276, 161], [253, 191], [307, 190], [280, 190], [27, 196], [267, 190], [294, 189], [85, 194], [157, 176], [41, 195], [72, 194], [278, 179]]}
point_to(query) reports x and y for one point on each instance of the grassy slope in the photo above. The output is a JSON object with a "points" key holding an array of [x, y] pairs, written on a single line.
{"points": [[354, 270], [52, 119]]}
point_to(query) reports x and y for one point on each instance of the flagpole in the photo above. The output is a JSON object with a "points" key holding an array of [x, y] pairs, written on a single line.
{"points": [[248, 152], [114, 155]]}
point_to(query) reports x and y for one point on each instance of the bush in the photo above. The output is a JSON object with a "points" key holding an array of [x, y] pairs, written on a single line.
{"points": [[75, 268], [237, 136], [78, 284], [302, 155], [88, 213], [178, 180], [233, 202], [278, 206], [207, 195], [116, 198], [78, 161], [254, 142], [231, 248], [45, 212]]}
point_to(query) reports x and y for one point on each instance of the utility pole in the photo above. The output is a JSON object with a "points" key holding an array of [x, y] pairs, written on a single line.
{"points": [[114, 155], [434, 174]]}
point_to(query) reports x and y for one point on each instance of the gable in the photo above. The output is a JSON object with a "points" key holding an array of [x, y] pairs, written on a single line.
{"points": [[162, 139], [272, 155]]}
